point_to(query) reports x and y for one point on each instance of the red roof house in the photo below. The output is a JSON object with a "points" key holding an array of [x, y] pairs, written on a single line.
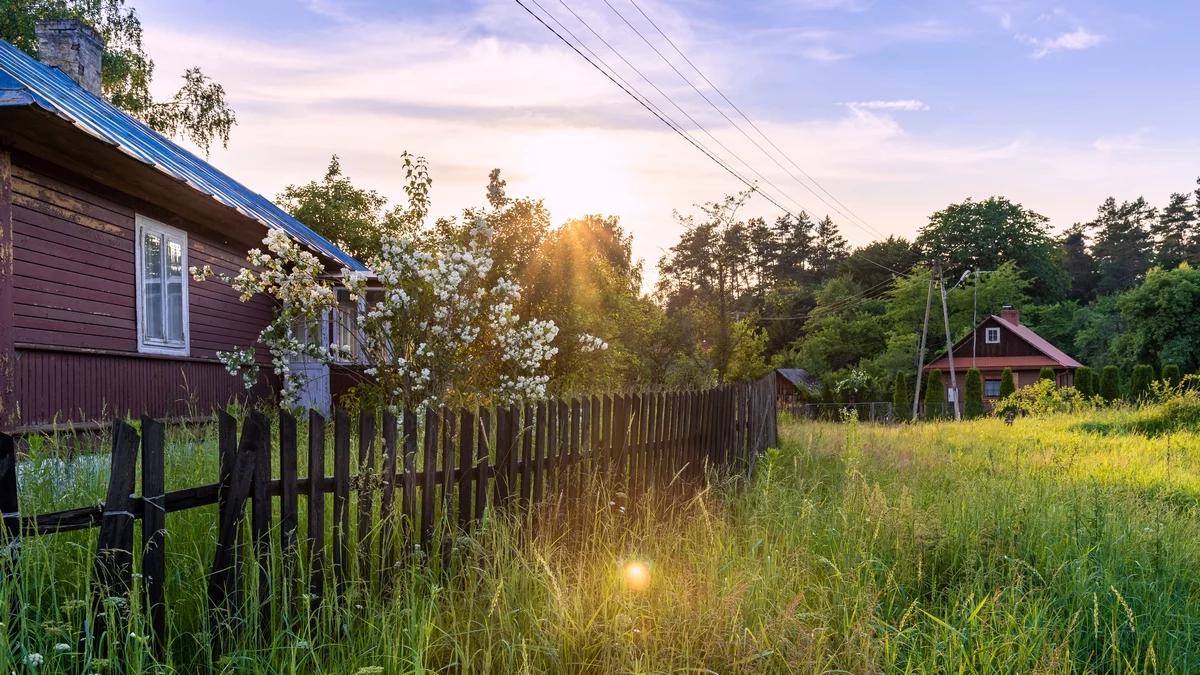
{"points": [[1000, 342]]}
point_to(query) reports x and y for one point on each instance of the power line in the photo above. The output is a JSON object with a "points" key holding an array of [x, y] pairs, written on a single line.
{"points": [[843, 304], [662, 93], [722, 112], [652, 111]]}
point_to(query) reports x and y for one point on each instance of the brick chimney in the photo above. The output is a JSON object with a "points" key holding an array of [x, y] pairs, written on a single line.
{"points": [[1011, 314], [74, 48]]}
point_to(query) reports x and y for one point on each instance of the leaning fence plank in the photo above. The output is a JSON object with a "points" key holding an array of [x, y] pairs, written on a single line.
{"points": [[543, 435], [409, 502], [523, 488], [366, 493], [483, 475], [563, 461], [316, 508], [466, 460], [504, 454], [259, 428], [227, 448], [113, 569], [341, 500], [223, 582], [448, 435], [428, 479], [154, 519], [289, 507], [387, 531]]}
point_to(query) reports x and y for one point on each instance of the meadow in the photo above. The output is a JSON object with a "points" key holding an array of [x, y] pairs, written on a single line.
{"points": [[1066, 544]]}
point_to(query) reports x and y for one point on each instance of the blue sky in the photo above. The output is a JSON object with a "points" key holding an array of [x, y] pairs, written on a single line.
{"points": [[897, 108]]}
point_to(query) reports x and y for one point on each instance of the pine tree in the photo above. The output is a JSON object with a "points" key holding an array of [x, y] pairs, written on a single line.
{"points": [[1007, 384], [1173, 232], [829, 249], [1171, 374], [1085, 381], [1047, 374], [901, 397], [1140, 381], [1110, 383], [974, 398], [1122, 244], [935, 395], [794, 248], [1079, 263]]}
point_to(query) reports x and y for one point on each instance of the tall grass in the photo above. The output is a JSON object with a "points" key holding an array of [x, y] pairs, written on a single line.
{"points": [[972, 547]]}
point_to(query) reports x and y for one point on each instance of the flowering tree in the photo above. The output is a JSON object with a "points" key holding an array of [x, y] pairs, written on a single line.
{"points": [[434, 331]]}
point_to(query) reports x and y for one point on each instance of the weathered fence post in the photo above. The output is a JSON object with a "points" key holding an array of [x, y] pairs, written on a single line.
{"points": [[466, 461], [259, 428], [341, 500], [409, 498], [154, 522], [316, 509], [289, 508], [429, 479], [449, 433], [366, 493], [387, 532], [113, 569], [482, 487]]}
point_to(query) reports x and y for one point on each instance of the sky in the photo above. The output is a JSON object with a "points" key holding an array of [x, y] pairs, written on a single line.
{"points": [[895, 109]]}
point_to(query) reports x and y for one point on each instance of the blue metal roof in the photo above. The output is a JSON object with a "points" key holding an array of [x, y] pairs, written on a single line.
{"points": [[26, 81]]}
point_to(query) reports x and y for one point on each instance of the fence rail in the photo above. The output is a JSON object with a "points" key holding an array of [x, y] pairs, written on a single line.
{"points": [[446, 469]]}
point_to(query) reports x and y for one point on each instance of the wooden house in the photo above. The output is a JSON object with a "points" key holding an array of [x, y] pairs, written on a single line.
{"points": [[1000, 342], [100, 219]]}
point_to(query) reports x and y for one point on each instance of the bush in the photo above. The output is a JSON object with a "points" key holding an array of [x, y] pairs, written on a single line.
{"points": [[1140, 381], [1007, 384], [1047, 374], [973, 402], [901, 397], [1178, 412], [1085, 381], [1110, 384], [1043, 397], [1171, 375], [935, 395]]}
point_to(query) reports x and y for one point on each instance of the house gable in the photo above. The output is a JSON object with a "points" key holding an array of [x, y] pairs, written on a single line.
{"points": [[1018, 347]]}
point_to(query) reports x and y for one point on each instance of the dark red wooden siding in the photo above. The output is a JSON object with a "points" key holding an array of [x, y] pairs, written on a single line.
{"points": [[1010, 344], [74, 291]]}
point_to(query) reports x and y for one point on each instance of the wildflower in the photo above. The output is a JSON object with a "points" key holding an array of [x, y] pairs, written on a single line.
{"points": [[34, 660], [301, 644], [62, 647]]}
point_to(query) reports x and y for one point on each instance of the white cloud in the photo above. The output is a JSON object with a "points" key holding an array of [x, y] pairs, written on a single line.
{"points": [[906, 105], [488, 90], [1074, 40]]}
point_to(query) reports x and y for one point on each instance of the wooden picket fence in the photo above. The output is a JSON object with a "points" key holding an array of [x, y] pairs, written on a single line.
{"points": [[448, 469]]}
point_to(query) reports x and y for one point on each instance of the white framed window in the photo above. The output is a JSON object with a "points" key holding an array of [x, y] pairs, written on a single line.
{"points": [[991, 388], [162, 288], [991, 336], [343, 326]]}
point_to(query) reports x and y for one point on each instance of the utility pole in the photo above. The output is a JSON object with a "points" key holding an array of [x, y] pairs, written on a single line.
{"points": [[949, 343], [921, 351]]}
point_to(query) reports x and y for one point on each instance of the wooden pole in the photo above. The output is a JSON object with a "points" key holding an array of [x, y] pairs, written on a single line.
{"points": [[949, 344], [921, 350]]}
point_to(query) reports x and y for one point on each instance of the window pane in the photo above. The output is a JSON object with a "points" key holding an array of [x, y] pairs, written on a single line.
{"points": [[152, 286], [991, 388], [175, 281]]}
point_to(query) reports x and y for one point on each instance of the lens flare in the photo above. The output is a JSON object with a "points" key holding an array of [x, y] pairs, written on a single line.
{"points": [[636, 575]]}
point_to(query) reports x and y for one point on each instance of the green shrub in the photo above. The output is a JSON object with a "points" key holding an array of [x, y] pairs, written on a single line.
{"points": [[1043, 397], [973, 402], [1171, 374], [1110, 383], [1085, 381], [1047, 374], [901, 397], [1179, 412], [1140, 381], [935, 395], [1007, 384]]}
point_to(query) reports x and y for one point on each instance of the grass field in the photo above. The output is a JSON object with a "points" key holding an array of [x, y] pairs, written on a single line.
{"points": [[940, 547]]}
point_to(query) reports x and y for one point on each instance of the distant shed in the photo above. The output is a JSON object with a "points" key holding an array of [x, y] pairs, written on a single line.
{"points": [[792, 381]]}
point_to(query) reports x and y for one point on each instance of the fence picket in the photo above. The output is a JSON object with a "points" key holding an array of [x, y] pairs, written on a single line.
{"points": [[341, 500], [113, 568], [366, 494], [316, 508], [10, 510], [224, 583], [289, 507], [428, 479], [409, 498], [154, 522], [466, 460], [484, 474]]}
